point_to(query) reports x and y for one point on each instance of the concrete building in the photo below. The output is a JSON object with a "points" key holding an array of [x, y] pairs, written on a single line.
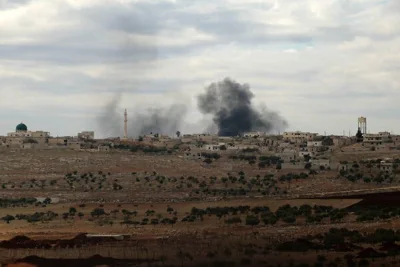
{"points": [[211, 147], [377, 139], [72, 144], [86, 135], [304, 153], [386, 166], [317, 163], [254, 134], [314, 143], [193, 154], [104, 148], [24, 138], [188, 138], [207, 138], [298, 137], [22, 131], [65, 142], [341, 141], [288, 155], [58, 141]]}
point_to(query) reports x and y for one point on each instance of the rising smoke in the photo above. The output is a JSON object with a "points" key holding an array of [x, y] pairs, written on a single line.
{"points": [[141, 120], [232, 110], [166, 120], [228, 102], [110, 121]]}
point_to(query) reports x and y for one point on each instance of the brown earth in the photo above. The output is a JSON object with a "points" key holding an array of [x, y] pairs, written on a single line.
{"points": [[30, 174]]}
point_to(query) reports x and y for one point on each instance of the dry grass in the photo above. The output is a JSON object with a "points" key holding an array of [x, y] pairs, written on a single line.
{"points": [[46, 165]]}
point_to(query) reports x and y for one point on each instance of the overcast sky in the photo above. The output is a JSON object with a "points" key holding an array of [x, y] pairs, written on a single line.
{"points": [[319, 63]]}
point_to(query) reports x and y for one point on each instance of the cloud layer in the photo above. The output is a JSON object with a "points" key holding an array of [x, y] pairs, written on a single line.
{"points": [[320, 63]]}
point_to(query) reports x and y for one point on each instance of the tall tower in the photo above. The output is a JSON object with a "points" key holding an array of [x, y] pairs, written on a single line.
{"points": [[362, 124], [125, 124]]}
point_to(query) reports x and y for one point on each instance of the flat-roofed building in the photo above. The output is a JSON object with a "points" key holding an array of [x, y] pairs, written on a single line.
{"points": [[377, 139], [299, 136], [86, 135]]}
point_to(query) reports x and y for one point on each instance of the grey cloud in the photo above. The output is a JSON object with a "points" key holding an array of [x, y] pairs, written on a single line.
{"points": [[138, 18], [89, 43], [65, 54], [10, 4], [230, 26], [92, 40]]}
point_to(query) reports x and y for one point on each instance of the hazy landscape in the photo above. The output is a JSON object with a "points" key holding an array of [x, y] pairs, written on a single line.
{"points": [[199, 133]]}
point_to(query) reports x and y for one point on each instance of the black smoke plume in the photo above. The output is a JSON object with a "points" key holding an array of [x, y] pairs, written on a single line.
{"points": [[232, 110]]}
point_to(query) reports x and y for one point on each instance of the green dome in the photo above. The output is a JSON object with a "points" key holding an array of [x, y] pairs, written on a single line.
{"points": [[21, 127]]}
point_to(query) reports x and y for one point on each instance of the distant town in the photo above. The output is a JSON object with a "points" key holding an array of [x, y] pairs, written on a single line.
{"points": [[296, 150]]}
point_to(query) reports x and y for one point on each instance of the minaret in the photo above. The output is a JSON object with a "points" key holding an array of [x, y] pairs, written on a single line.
{"points": [[125, 124]]}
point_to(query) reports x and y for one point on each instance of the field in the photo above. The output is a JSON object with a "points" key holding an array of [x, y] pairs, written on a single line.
{"points": [[177, 212]]}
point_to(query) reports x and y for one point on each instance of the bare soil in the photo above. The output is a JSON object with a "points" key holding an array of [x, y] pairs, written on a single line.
{"points": [[43, 174]]}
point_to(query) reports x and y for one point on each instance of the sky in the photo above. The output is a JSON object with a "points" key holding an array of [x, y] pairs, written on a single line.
{"points": [[319, 63]]}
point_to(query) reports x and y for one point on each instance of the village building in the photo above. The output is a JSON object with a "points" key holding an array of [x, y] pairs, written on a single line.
{"points": [[193, 154], [288, 155], [386, 166], [103, 148], [377, 139], [299, 137], [211, 147], [254, 134], [24, 138], [318, 163], [86, 135]]}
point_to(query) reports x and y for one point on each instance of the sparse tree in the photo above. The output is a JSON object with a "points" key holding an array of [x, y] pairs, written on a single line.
{"points": [[8, 218], [279, 166], [359, 136], [72, 210]]}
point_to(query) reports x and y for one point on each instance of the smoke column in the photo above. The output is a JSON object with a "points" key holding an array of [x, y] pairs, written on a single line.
{"points": [[230, 105], [141, 120], [166, 120], [110, 122]]}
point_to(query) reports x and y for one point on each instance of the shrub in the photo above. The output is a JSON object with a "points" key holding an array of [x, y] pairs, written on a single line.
{"points": [[252, 220]]}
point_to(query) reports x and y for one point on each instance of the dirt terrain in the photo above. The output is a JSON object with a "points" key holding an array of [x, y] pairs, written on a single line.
{"points": [[170, 211]]}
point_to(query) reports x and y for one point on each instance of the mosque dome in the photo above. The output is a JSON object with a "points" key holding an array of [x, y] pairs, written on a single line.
{"points": [[21, 128]]}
